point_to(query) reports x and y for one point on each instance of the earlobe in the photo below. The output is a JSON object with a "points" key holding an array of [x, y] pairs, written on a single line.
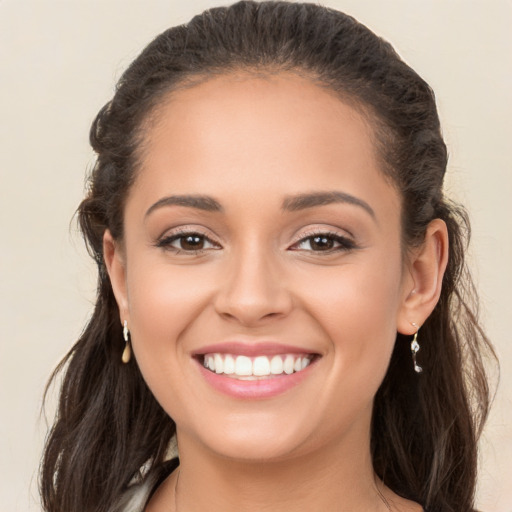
{"points": [[116, 268], [427, 266]]}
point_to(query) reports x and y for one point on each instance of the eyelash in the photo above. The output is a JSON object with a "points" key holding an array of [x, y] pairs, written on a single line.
{"points": [[345, 244], [166, 242]]}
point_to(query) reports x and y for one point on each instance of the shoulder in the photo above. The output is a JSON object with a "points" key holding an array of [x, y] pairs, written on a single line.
{"points": [[137, 494], [135, 497]]}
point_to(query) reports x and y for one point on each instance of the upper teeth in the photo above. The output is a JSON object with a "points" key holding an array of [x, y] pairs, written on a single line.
{"points": [[259, 366]]}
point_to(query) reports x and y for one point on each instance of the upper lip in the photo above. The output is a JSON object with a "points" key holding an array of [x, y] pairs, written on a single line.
{"points": [[251, 349]]}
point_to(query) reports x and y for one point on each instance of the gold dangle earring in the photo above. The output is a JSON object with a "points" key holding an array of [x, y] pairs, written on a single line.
{"points": [[415, 348], [127, 352]]}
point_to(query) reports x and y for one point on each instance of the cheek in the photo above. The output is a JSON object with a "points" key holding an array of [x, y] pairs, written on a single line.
{"points": [[357, 307], [164, 302], [362, 296], [159, 301]]}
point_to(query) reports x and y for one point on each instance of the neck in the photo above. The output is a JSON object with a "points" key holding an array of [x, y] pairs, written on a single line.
{"points": [[337, 478]]}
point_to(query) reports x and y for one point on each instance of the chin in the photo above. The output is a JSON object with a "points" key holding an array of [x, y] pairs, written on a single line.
{"points": [[253, 442]]}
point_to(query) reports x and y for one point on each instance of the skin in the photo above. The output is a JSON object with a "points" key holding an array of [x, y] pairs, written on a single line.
{"points": [[251, 142]]}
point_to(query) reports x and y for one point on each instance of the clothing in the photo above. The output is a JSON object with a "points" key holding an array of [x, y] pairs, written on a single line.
{"points": [[135, 498], [138, 493]]}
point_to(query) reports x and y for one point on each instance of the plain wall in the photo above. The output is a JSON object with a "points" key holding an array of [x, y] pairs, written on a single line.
{"points": [[59, 61]]}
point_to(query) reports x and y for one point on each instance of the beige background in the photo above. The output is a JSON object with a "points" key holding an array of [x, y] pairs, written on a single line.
{"points": [[59, 61]]}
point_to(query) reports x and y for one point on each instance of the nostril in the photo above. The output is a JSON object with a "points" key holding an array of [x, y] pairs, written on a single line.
{"points": [[250, 297]]}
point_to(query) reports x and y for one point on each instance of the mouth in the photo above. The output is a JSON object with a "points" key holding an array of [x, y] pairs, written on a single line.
{"points": [[260, 367], [258, 371]]}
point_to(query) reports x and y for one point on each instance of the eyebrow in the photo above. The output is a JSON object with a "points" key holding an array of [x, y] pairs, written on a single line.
{"points": [[200, 202], [304, 201], [290, 203]]}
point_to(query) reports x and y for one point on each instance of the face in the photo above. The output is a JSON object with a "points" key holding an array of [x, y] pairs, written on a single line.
{"points": [[263, 241]]}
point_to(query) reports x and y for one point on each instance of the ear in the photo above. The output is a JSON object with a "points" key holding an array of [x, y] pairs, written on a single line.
{"points": [[116, 268], [422, 285]]}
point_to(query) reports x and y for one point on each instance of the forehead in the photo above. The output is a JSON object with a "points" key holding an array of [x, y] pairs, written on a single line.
{"points": [[239, 133], [274, 107]]}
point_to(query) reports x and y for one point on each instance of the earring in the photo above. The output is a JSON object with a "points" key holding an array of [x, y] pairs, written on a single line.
{"points": [[415, 347], [127, 352]]}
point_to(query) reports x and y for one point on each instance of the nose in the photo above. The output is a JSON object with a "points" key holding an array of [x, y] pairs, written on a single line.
{"points": [[253, 289]]}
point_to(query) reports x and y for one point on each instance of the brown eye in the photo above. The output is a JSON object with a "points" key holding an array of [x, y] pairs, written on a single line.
{"points": [[187, 243], [324, 242], [191, 242], [321, 243]]}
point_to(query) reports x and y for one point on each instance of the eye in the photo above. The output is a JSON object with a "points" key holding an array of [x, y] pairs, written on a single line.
{"points": [[191, 242], [324, 242]]}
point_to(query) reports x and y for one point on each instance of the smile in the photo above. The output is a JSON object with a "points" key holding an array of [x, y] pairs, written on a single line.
{"points": [[253, 376], [254, 368]]}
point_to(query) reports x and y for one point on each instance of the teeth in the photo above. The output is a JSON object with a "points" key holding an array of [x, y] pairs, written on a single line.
{"points": [[243, 365], [288, 365], [276, 365], [229, 365], [219, 363], [261, 366]]}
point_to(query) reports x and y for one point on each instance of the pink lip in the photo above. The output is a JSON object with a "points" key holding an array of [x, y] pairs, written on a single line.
{"points": [[251, 349], [254, 389]]}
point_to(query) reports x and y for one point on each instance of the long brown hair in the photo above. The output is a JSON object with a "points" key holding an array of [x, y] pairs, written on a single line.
{"points": [[425, 427]]}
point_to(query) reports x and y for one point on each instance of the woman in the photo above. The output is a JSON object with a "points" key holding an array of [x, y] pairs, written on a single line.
{"points": [[281, 282]]}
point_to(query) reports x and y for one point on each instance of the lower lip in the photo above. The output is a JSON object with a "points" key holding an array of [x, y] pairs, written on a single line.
{"points": [[254, 389]]}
